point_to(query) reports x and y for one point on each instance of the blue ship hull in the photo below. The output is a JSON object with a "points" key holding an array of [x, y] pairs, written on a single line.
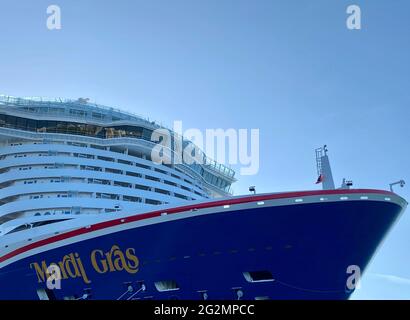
{"points": [[307, 249]]}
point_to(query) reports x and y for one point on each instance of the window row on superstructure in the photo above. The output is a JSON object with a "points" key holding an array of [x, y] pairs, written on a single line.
{"points": [[74, 177], [174, 172], [38, 182], [116, 166]]}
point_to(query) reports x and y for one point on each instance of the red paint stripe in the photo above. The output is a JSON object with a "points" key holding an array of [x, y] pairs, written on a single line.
{"points": [[153, 214]]}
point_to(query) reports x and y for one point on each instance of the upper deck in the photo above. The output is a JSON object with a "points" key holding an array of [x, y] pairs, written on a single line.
{"points": [[80, 117]]}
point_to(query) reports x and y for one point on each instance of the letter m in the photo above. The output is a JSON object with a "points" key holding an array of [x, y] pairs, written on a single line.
{"points": [[41, 271]]}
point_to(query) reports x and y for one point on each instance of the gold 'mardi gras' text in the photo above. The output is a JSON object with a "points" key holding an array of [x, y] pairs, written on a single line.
{"points": [[71, 265]]}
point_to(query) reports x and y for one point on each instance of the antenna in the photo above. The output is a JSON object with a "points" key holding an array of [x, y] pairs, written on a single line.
{"points": [[400, 182]]}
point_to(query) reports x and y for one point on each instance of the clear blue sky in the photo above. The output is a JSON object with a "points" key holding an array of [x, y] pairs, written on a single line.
{"points": [[290, 68]]}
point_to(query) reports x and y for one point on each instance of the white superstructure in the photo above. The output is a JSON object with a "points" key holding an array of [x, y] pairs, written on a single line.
{"points": [[61, 159]]}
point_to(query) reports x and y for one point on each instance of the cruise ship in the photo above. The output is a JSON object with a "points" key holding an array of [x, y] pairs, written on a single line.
{"points": [[86, 214]]}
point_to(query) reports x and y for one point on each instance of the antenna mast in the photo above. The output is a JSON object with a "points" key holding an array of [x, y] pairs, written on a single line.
{"points": [[323, 169]]}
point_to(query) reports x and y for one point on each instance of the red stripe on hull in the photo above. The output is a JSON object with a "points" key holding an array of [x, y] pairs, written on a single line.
{"points": [[153, 214]]}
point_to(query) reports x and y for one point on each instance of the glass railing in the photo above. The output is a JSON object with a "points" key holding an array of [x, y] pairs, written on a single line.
{"points": [[41, 105], [219, 167]]}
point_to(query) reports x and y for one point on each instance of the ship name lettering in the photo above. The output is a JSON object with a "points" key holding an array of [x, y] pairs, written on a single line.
{"points": [[115, 260], [71, 266]]}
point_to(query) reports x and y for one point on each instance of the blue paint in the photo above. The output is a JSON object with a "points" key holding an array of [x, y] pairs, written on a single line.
{"points": [[307, 248]]}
